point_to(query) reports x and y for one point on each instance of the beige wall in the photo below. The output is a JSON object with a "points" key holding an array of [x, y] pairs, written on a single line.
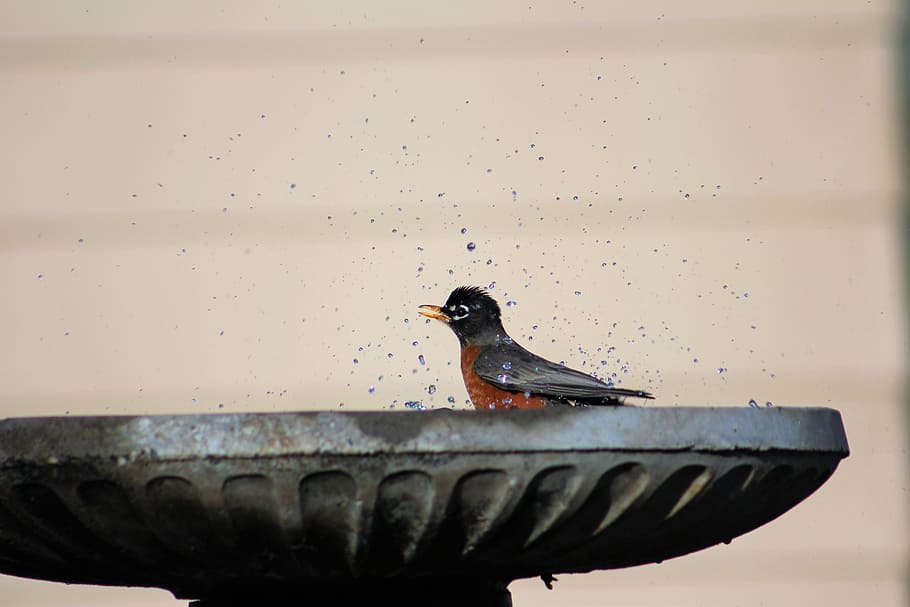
{"points": [[218, 208]]}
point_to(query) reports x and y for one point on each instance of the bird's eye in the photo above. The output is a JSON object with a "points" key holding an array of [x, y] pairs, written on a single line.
{"points": [[462, 311]]}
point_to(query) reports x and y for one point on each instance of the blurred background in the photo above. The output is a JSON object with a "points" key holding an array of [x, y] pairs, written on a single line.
{"points": [[231, 207]]}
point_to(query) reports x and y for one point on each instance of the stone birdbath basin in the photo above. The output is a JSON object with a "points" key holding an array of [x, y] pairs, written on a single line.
{"points": [[438, 507]]}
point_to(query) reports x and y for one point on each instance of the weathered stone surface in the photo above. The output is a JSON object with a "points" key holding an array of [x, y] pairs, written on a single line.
{"points": [[219, 505]]}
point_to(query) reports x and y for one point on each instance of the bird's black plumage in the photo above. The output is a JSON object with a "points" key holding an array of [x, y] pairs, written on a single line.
{"points": [[513, 368], [475, 317], [474, 297]]}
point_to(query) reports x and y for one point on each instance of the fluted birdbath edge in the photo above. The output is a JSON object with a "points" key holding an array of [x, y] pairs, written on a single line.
{"points": [[344, 506]]}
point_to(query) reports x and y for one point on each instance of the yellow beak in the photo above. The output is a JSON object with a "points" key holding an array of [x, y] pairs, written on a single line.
{"points": [[434, 312]]}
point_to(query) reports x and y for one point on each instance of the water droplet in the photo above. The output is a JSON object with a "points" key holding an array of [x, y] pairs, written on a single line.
{"points": [[752, 403], [372, 389], [356, 362], [415, 405], [431, 389], [507, 365], [40, 276], [421, 360], [511, 303], [507, 340], [451, 399], [533, 327], [464, 230], [578, 292], [721, 369], [503, 378], [390, 355], [769, 404], [471, 246]]}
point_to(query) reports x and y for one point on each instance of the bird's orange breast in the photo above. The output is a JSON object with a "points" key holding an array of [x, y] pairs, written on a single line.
{"points": [[486, 396]]}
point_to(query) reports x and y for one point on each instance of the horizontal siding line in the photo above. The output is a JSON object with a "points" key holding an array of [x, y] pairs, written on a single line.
{"points": [[843, 563], [873, 390], [520, 41], [320, 223]]}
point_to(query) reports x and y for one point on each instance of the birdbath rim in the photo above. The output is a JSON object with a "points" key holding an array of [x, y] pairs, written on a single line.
{"points": [[445, 504], [189, 436]]}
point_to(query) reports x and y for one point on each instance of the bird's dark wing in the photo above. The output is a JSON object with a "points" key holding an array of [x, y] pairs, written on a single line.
{"points": [[511, 367]]}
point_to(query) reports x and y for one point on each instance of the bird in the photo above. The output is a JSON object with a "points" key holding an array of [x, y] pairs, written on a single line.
{"points": [[500, 374]]}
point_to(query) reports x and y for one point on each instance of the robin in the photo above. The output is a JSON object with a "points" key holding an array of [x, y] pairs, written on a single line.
{"points": [[500, 374]]}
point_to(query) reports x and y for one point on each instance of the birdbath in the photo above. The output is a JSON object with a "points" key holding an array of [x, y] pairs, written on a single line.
{"points": [[438, 507]]}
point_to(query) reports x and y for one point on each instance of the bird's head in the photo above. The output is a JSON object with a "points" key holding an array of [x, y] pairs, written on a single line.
{"points": [[471, 313]]}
